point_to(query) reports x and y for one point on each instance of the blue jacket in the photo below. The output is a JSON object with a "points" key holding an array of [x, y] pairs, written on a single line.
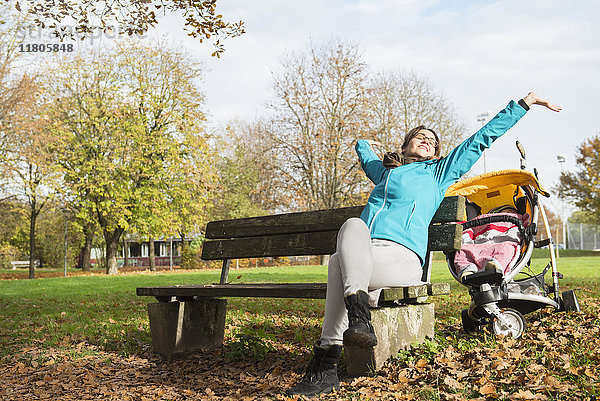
{"points": [[404, 200]]}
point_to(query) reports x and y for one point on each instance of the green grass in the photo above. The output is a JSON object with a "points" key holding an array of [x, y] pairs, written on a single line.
{"points": [[104, 310]]}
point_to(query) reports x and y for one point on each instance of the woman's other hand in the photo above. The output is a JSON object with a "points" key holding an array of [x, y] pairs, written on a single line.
{"points": [[373, 143], [534, 98]]}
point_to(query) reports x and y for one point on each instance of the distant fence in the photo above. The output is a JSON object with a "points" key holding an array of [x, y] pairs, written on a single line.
{"points": [[583, 236]]}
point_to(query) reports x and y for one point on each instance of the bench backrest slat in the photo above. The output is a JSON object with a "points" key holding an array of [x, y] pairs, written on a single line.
{"points": [[451, 210], [444, 237]]}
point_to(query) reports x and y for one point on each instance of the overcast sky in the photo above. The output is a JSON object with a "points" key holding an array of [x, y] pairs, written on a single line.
{"points": [[479, 53]]}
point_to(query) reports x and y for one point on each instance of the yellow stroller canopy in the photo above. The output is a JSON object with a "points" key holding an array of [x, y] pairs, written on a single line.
{"points": [[496, 188]]}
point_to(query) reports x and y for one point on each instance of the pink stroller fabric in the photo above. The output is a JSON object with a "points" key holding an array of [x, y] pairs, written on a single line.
{"points": [[496, 242]]}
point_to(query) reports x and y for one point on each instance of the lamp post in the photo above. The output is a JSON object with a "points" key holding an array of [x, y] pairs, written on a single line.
{"points": [[65, 214], [482, 118], [171, 253], [561, 160]]}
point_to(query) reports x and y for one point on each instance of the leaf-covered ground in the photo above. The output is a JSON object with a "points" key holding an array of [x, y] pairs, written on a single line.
{"points": [[557, 358]]}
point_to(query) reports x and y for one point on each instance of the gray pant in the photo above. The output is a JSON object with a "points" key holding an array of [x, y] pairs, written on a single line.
{"points": [[362, 264]]}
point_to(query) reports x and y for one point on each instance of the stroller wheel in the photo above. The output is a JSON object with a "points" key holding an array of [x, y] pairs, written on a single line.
{"points": [[513, 324], [569, 301]]}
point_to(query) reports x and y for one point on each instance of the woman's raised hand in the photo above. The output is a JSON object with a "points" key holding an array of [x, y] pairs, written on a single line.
{"points": [[534, 98], [373, 143]]}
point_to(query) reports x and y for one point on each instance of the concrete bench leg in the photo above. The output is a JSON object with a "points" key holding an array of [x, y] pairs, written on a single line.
{"points": [[396, 328], [180, 328]]}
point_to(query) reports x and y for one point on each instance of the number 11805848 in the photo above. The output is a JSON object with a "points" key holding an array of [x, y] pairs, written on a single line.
{"points": [[45, 47]]}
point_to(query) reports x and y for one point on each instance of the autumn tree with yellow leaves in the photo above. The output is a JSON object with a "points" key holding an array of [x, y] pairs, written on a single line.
{"points": [[131, 146], [583, 186]]}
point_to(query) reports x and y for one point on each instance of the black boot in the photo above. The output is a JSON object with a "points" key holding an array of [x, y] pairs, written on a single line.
{"points": [[360, 331], [321, 374]]}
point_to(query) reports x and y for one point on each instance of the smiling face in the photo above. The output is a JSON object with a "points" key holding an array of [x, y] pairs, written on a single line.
{"points": [[421, 145]]}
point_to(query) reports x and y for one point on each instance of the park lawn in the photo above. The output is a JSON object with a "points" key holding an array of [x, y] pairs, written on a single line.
{"points": [[55, 331], [105, 310]]}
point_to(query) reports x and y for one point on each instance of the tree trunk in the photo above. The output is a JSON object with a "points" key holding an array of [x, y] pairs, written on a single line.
{"points": [[32, 251], [125, 251], [151, 254], [86, 251], [112, 247]]}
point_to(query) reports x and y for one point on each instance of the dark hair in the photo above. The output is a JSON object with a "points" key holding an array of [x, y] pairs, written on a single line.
{"points": [[393, 159], [411, 134]]}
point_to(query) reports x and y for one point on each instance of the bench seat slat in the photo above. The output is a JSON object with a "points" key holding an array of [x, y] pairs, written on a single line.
{"points": [[263, 290], [451, 210], [441, 238], [282, 290]]}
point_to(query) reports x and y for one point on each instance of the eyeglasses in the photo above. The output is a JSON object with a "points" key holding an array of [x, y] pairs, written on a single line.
{"points": [[422, 137]]}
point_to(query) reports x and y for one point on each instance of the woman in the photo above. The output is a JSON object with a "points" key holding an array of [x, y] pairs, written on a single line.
{"points": [[386, 247]]}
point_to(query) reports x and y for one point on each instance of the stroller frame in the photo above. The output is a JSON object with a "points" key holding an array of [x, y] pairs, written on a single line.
{"points": [[501, 300]]}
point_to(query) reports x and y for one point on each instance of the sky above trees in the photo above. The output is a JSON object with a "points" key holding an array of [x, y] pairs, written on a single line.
{"points": [[480, 54]]}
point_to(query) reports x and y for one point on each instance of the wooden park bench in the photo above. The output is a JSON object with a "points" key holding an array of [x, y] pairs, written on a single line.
{"points": [[188, 318]]}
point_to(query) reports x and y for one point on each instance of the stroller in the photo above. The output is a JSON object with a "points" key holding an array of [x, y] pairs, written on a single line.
{"points": [[499, 298]]}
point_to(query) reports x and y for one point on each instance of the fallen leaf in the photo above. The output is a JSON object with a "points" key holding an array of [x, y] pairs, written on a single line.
{"points": [[21, 367], [534, 367], [453, 383], [527, 395], [421, 363], [487, 389], [552, 382]]}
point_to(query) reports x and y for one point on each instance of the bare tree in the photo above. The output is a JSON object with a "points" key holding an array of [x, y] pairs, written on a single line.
{"points": [[326, 100], [250, 183], [319, 110], [399, 101]]}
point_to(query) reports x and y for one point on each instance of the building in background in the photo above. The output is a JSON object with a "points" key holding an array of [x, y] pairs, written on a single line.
{"points": [[167, 252]]}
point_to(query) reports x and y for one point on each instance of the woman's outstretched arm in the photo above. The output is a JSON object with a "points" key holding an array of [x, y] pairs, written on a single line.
{"points": [[461, 158]]}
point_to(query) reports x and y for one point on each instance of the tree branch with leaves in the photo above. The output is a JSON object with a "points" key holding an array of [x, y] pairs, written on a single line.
{"points": [[132, 17]]}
